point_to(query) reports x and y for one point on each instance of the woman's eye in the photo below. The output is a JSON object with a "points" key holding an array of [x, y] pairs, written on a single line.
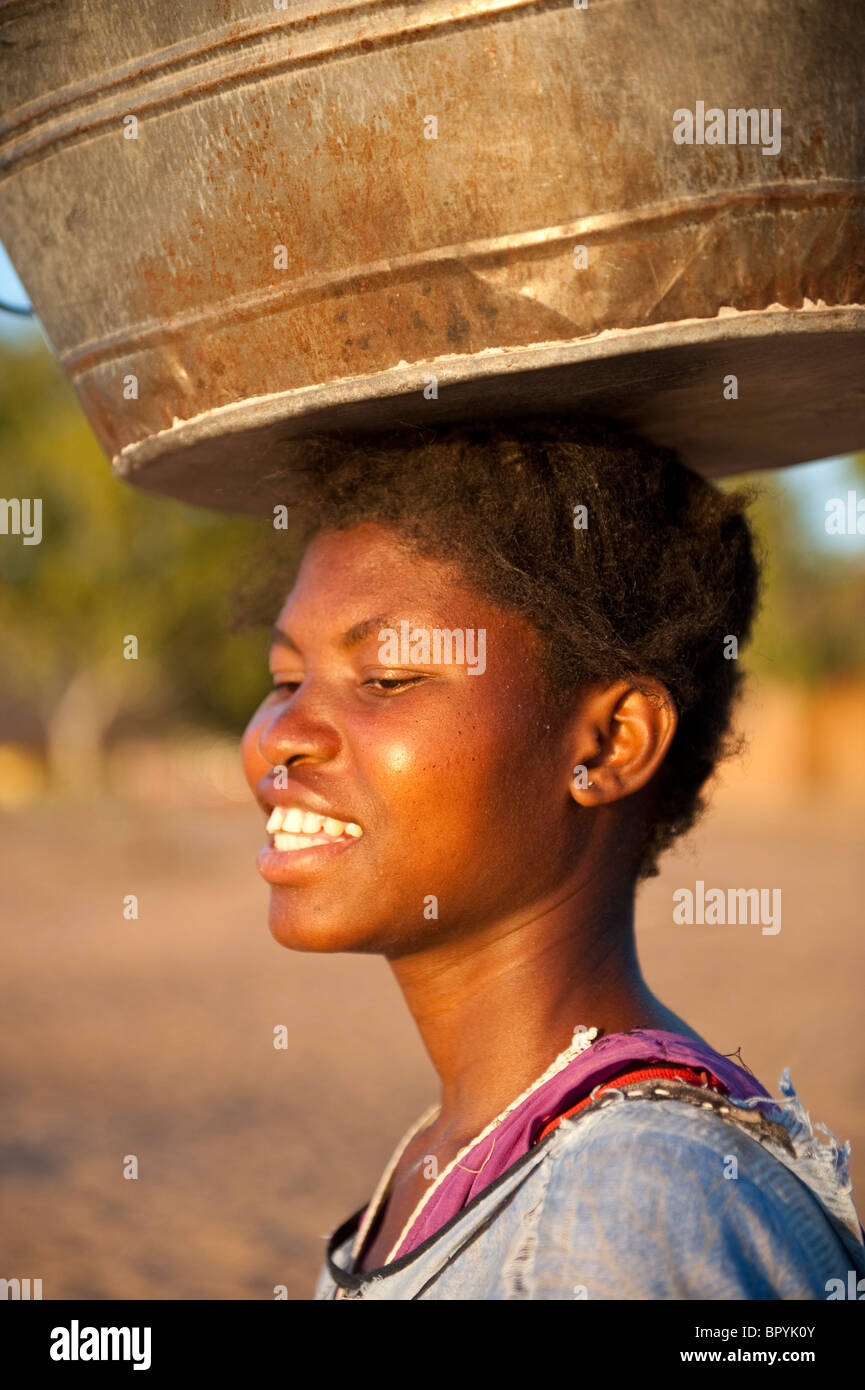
{"points": [[386, 684], [392, 682]]}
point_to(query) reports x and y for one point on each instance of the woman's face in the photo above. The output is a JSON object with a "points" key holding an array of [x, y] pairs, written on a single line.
{"points": [[456, 773]]}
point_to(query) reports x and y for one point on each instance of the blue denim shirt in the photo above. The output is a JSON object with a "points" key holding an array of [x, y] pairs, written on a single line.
{"points": [[646, 1196]]}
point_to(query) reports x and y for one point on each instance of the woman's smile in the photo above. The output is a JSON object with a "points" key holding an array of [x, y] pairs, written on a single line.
{"points": [[292, 857], [301, 840]]}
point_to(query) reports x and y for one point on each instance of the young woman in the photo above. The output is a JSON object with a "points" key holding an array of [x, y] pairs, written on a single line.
{"points": [[501, 678]]}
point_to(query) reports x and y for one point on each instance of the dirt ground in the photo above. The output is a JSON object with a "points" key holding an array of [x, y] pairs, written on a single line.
{"points": [[154, 1038]]}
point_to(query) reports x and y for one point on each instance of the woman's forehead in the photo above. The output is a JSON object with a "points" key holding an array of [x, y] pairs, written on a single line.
{"points": [[353, 585], [377, 565]]}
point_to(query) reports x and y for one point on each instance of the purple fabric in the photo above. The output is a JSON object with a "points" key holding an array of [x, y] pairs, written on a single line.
{"points": [[606, 1058]]}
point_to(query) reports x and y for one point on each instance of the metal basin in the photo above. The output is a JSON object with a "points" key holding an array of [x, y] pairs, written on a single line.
{"points": [[283, 246]]}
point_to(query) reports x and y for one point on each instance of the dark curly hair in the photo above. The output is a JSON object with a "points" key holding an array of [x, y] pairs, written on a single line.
{"points": [[660, 577]]}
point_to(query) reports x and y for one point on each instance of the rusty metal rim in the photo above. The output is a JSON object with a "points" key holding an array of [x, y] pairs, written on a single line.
{"points": [[274, 299], [408, 379], [33, 130]]}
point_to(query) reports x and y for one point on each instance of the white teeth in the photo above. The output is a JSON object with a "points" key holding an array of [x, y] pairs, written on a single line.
{"points": [[288, 842], [291, 827]]}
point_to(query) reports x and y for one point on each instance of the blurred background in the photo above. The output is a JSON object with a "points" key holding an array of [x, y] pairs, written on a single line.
{"points": [[153, 1036]]}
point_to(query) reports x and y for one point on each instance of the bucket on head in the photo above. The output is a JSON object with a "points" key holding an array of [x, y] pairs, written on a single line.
{"points": [[240, 222]]}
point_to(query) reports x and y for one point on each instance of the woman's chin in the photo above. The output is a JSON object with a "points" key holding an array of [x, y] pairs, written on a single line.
{"points": [[297, 931]]}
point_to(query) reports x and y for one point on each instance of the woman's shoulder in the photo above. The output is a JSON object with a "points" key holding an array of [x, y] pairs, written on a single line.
{"points": [[667, 1191]]}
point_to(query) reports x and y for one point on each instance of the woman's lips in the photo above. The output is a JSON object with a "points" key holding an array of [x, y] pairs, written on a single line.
{"points": [[279, 866], [302, 840]]}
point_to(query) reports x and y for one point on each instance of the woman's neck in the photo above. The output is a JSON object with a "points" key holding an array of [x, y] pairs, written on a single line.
{"points": [[495, 1008]]}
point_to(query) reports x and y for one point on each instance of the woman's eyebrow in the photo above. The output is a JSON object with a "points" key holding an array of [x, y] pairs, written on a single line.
{"points": [[370, 627], [359, 632]]}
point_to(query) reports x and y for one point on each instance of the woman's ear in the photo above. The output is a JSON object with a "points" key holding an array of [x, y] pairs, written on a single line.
{"points": [[621, 736]]}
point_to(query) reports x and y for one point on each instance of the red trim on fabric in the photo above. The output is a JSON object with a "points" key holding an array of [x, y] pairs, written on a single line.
{"points": [[703, 1077]]}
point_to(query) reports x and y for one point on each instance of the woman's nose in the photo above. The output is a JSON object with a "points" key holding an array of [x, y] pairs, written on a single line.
{"points": [[297, 732]]}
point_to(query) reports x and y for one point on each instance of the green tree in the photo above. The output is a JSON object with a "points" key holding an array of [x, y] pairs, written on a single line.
{"points": [[112, 563], [810, 627]]}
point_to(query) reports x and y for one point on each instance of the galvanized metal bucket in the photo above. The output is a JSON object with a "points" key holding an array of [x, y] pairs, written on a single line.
{"points": [[239, 221]]}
